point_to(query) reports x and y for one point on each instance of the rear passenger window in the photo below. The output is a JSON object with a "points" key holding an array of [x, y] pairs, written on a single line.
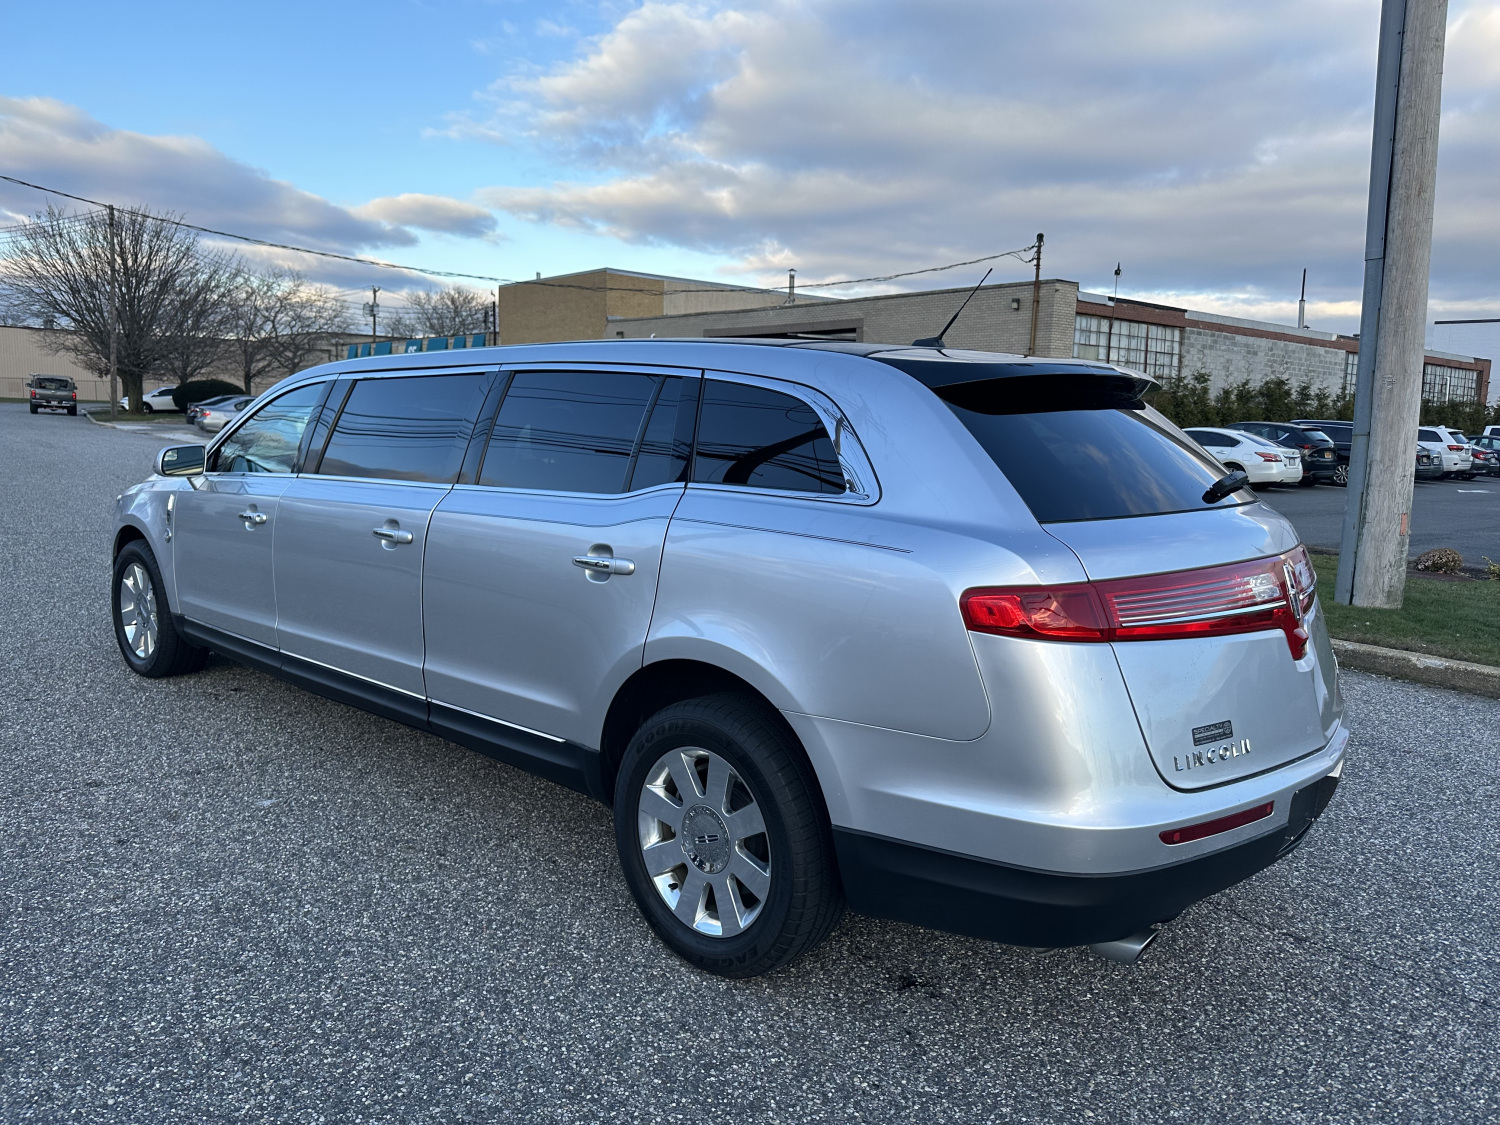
{"points": [[668, 440], [268, 441], [568, 431], [405, 429], [763, 438]]}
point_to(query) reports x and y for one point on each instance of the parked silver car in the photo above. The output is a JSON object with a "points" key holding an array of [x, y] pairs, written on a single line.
{"points": [[968, 640]]}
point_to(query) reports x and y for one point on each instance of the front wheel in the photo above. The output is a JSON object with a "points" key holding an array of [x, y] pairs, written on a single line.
{"points": [[144, 630], [723, 837], [146, 408]]}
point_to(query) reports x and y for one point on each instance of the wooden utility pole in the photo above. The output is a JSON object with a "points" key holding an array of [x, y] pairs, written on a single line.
{"points": [[114, 325], [1036, 294], [1398, 253]]}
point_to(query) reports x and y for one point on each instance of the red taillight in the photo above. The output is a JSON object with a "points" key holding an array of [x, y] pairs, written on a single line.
{"points": [[75, 396], [1190, 832], [1456, 448], [1270, 593], [1269, 456]]}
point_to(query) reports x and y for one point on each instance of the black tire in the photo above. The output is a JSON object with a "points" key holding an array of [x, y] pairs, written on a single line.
{"points": [[804, 899], [33, 407], [146, 408], [169, 654], [73, 411], [1341, 476], [1308, 481]]}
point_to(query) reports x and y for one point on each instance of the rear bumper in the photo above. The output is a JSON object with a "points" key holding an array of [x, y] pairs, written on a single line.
{"points": [[980, 898]]}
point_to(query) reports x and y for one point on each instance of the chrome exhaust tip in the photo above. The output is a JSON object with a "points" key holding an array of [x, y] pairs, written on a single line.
{"points": [[1127, 950]]}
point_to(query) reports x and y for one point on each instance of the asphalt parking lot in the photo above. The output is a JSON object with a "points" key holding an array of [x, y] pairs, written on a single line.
{"points": [[227, 900], [1464, 515]]}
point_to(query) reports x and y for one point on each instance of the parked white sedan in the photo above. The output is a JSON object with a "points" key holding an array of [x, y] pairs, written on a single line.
{"points": [[158, 401], [1263, 461]]}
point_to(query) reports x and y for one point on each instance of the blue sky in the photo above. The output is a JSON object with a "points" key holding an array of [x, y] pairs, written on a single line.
{"points": [[1214, 148]]}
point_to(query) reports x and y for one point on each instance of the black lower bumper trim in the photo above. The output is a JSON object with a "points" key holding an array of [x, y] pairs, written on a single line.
{"points": [[980, 898]]}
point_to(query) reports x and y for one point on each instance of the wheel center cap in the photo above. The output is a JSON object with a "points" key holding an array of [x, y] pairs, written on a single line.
{"points": [[705, 839]]}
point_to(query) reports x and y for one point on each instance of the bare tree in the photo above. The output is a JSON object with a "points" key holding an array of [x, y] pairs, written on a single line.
{"points": [[278, 320], [199, 317], [450, 311], [57, 272]]}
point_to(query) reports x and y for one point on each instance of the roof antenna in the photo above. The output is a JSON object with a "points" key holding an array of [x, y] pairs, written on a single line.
{"points": [[937, 341]]}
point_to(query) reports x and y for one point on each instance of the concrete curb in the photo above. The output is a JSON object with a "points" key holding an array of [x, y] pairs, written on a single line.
{"points": [[145, 428], [1459, 675]]}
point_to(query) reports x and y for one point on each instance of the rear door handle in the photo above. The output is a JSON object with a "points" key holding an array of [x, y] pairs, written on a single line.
{"points": [[392, 535], [253, 517], [597, 565]]}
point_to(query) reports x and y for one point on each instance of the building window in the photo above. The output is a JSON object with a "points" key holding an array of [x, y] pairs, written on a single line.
{"points": [[1152, 349], [1351, 373], [1091, 337], [1448, 384]]}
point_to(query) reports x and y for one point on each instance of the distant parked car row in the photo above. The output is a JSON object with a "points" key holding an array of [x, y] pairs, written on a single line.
{"points": [[1319, 450]]}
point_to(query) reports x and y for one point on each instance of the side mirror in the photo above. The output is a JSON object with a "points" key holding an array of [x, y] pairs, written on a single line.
{"points": [[181, 460]]}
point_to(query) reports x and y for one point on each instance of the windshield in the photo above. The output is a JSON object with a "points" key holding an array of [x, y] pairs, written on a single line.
{"points": [[1084, 447]]}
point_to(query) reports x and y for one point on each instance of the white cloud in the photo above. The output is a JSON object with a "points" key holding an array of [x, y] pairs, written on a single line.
{"points": [[51, 143], [430, 212], [1212, 147]]}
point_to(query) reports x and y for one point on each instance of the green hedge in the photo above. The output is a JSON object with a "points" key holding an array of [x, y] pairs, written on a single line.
{"points": [[200, 390], [1187, 400]]}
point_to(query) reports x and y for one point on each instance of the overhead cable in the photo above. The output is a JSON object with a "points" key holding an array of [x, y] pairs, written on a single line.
{"points": [[378, 263]]}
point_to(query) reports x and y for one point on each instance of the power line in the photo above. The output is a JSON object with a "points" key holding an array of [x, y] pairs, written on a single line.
{"points": [[512, 281]]}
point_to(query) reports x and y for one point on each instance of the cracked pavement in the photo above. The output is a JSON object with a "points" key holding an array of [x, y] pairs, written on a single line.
{"points": [[224, 899]]}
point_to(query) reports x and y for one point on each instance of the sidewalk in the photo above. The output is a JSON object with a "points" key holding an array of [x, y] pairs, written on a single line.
{"points": [[170, 433]]}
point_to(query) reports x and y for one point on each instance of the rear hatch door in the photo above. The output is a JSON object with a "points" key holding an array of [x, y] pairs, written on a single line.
{"points": [[1130, 494], [1214, 708]]}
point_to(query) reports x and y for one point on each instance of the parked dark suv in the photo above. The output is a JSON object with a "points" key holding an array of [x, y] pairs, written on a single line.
{"points": [[1342, 436], [1320, 458]]}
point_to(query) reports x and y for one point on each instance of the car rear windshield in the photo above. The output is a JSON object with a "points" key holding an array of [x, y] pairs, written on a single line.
{"points": [[51, 384], [1084, 447]]}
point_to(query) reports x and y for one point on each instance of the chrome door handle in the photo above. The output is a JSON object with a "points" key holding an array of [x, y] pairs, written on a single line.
{"points": [[256, 518], [605, 565], [391, 535]]}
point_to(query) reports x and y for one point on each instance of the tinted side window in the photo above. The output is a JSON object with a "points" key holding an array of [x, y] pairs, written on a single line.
{"points": [[668, 440], [405, 429], [1210, 440], [268, 440], [765, 439], [568, 431], [1428, 435]]}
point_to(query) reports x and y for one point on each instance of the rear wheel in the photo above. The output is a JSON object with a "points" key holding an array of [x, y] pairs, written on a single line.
{"points": [[723, 838], [1341, 475], [146, 408], [33, 408], [148, 639], [73, 411]]}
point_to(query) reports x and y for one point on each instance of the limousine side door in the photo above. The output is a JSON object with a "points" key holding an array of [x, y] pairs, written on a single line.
{"points": [[351, 534], [223, 529], [541, 575]]}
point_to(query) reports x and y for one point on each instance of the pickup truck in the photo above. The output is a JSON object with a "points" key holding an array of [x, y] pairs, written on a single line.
{"points": [[53, 392]]}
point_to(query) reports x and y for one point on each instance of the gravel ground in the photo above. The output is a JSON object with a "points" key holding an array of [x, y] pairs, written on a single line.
{"points": [[228, 900]]}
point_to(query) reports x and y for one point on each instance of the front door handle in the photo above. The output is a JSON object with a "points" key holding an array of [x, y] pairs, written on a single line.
{"points": [[392, 535], [256, 518], [595, 564]]}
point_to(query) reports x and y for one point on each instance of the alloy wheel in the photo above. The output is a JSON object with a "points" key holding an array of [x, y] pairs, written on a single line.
{"points": [[138, 611], [703, 840], [1341, 475]]}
